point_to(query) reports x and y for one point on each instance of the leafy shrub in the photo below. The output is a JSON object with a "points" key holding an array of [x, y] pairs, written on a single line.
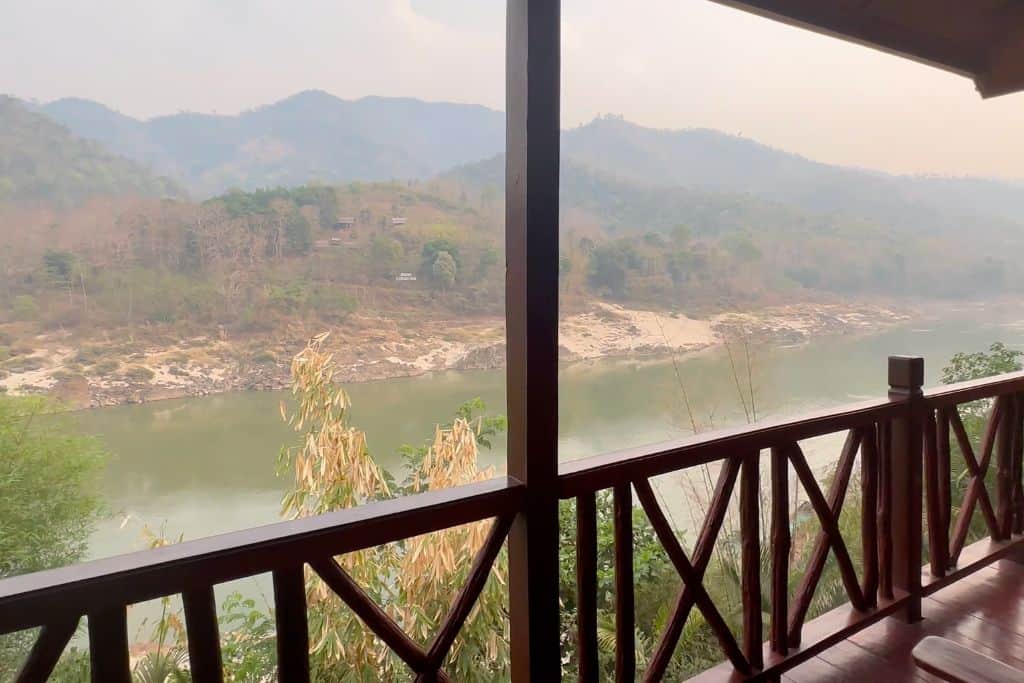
{"points": [[40, 467], [264, 358], [24, 307], [138, 373], [24, 364], [90, 354], [332, 303], [106, 367]]}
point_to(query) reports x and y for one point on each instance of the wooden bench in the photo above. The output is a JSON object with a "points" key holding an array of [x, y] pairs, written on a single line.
{"points": [[952, 662]]}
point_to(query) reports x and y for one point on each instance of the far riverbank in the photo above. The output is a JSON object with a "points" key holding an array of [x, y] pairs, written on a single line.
{"points": [[109, 372]]}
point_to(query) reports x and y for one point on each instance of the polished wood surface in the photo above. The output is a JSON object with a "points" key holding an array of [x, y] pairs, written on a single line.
{"points": [[958, 664], [983, 612]]}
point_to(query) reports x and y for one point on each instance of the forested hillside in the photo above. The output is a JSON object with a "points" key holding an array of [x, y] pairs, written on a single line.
{"points": [[739, 247], [41, 161], [247, 262]]}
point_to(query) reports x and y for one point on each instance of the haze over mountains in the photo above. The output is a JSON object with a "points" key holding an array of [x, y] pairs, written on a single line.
{"points": [[314, 136], [686, 220], [42, 161]]}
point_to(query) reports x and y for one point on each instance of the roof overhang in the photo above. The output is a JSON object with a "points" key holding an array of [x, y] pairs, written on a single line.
{"points": [[980, 39]]}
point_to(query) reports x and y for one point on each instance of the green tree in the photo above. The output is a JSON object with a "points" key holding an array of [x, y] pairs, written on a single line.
{"points": [[385, 255], [444, 270], [49, 499], [997, 360], [654, 575], [59, 266], [608, 265], [434, 247], [298, 235], [963, 367]]}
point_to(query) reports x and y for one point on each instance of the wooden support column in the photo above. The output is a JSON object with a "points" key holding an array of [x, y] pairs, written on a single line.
{"points": [[906, 377], [531, 323]]}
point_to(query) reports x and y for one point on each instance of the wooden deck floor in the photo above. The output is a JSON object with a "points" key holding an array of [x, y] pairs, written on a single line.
{"points": [[984, 611]]}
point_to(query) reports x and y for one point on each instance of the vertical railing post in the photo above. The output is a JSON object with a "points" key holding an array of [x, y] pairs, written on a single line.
{"points": [[906, 377], [532, 73], [1004, 468]]}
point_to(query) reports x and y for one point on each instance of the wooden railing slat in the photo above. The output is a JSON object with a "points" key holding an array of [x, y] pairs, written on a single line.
{"points": [[884, 434], [976, 492], [203, 635], [691, 580], [1004, 469], [292, 625], [1018, 466], [936, 533], [827, 511], [625, 608], [781, 542], [46, 651], [586, 588], [108, 646], [945, 465], [869, 513], [375, 618], [702, 553], [750, 559], [468, 594]]}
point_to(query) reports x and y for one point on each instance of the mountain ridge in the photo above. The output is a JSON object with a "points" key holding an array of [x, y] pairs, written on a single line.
{"points": [[42, 161], [314, 136]]}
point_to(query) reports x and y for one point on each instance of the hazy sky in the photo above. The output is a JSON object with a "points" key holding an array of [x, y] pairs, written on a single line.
{"points": [[663, 63]]}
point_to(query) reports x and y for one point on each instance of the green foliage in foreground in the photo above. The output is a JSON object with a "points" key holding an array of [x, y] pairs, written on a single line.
{"points": [[48, 498], [996, 361], [963, 367]]}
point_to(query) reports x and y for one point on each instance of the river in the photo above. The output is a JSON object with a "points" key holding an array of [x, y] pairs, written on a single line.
{"points": [[200, 466]]}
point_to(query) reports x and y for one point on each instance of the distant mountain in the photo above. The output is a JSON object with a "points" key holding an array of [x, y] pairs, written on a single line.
{"points": [[622, 206], [43, 161], [315, 136], [312, 136], [712, 160]]}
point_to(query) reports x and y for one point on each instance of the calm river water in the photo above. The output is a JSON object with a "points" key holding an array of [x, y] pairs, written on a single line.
{"points": [[202, 466]]}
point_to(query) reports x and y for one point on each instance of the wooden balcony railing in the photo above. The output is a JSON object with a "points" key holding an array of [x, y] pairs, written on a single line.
{"points": [[905, 447], [57, 599]]}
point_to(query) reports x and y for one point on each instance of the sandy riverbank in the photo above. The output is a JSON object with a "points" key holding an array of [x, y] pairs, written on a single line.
{"points": [[101, 373]]}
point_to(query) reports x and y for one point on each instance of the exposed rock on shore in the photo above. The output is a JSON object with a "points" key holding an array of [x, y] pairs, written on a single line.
{"points": [[371, 349]]}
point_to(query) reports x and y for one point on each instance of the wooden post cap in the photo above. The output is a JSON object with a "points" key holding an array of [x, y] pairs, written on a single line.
{"points": [[906, 374]]}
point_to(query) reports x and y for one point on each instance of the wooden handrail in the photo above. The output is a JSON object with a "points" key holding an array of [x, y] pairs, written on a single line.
{"points": [[59, 594], [603, 471], [975, 389]]}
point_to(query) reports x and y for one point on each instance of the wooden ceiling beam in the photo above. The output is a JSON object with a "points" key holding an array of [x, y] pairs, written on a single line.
{"points": [[861, 22], [1003, 72]]}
